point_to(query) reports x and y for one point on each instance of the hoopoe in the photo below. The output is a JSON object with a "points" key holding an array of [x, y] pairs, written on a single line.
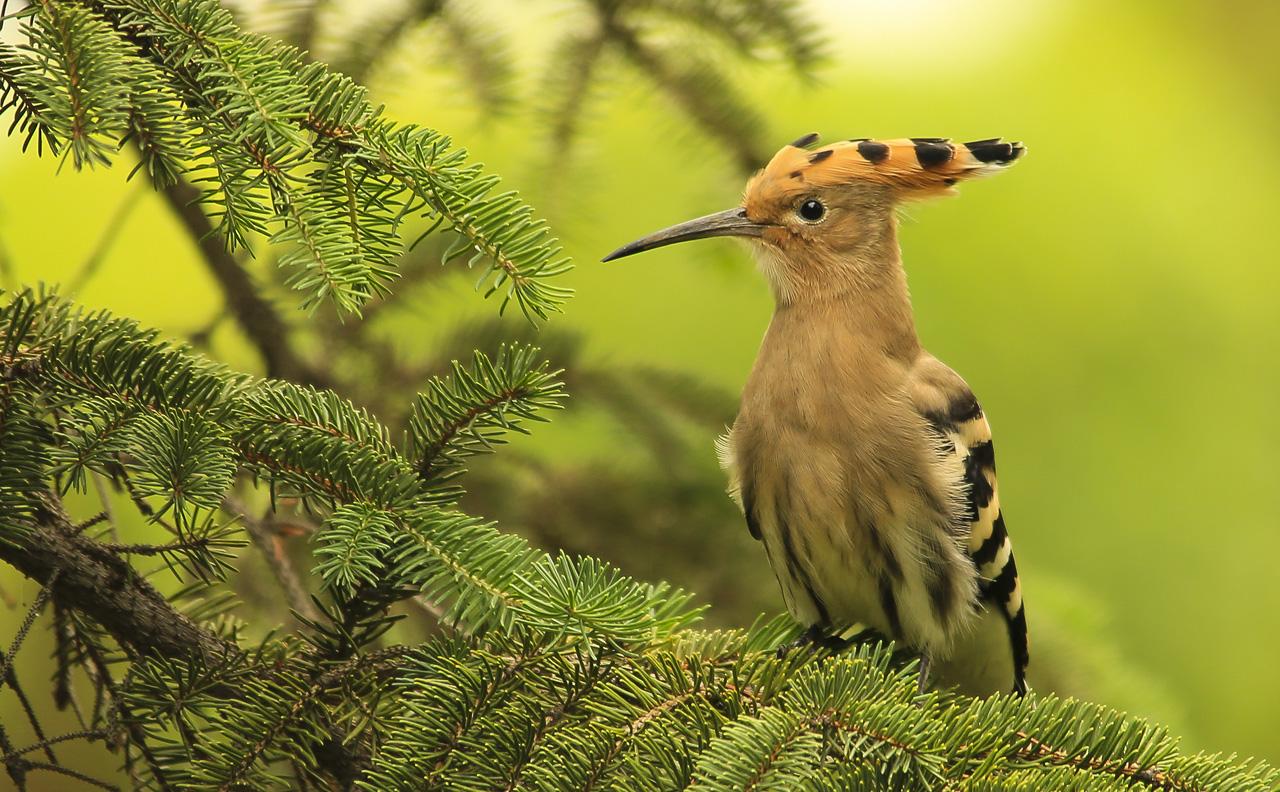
{"points": [[861, 461]]}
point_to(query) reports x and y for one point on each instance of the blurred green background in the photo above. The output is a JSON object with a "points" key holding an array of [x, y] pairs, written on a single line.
{"points": [[1112, 299]]}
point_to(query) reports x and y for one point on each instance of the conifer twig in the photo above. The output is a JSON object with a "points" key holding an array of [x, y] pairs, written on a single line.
{"points": [[100, 584], [268, 541], [746, 155], [11, 679], [110, 232], [256, 316]]}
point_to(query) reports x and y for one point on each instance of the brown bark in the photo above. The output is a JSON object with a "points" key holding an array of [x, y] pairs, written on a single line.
{"points": [[103, 586]]}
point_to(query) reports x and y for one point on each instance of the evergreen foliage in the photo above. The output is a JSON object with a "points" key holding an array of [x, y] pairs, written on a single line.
{"points": [[676, 45], [281, 148], [684, 49], [545, 671]]}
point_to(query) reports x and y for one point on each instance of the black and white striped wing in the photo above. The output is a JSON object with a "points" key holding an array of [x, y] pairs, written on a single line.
{"points": [[967, 434]]}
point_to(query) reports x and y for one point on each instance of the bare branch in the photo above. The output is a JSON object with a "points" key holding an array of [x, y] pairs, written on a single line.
{"points": [[32, 614], [46, 742], [97, 582], [66, 771], [92, 579], [11, 679], [105, 241], [267, 539], [730, 129], [108, 511], [256, 316]]}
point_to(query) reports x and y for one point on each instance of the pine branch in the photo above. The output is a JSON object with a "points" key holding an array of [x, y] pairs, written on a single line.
{"points": [[338, 263], [22, 90], [469, 412], [22, 435], [569, 86], [689, 82], [752, 26], [100, 584], [351, 549], [256, 316], [306, 20], [479, 53], [570, 669], [290, 150], [269, 544], [78, 97], [95, 581], [381, 36], [557, 671]]}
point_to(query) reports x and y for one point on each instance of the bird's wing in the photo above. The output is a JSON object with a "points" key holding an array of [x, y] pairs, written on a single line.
{"points": [[729, 463], [951, 411]]}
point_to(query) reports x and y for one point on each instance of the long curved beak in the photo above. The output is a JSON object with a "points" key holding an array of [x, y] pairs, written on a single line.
{"points": [[730, 222]]}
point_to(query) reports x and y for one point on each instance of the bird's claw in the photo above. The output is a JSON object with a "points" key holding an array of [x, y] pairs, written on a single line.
{"points": [[815, 638], [923, 682]]}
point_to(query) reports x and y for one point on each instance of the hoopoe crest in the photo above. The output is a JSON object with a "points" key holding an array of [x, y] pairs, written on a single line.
{"points": [[862, 463]]}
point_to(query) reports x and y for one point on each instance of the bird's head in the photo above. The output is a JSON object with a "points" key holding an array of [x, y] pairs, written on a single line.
{"points": [[822, 220]]}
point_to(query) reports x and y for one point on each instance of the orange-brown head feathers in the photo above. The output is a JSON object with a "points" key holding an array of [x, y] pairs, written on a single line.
{"points": [[824, 218], [828, 214], [899, 169]]}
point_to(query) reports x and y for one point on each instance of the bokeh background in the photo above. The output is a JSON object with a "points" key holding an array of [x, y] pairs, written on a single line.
{"points": [[1112, 300]]}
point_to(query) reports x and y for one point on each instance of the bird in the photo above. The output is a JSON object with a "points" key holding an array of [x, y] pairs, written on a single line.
{"points": [[862, 462]]}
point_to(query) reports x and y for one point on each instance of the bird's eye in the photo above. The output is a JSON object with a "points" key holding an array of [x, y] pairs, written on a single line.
{"points": [[811, 211]]}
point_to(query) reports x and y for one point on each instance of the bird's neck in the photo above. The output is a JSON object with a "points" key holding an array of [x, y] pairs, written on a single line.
{"points": [[863, 297]]}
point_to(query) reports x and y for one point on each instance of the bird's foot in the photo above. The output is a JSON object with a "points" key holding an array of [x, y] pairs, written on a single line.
{"points": [[815, 638], [925, 662]]}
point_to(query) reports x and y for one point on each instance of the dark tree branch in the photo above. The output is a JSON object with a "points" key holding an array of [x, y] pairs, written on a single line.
{"points": [[92, 579], [45, 744], [650, 62], [304, 34], [66, 771], [100, 584], [255, 315], [110, 233], [33, 613], [370, 46], [267, 538], [567, 116], [119, 717]]}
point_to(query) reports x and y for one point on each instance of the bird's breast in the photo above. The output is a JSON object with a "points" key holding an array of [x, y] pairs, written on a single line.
{"points": [[823, 383], [839, 420]]}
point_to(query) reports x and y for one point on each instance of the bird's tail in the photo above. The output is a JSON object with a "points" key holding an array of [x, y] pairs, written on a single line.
{"points": [[914, 167]]}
